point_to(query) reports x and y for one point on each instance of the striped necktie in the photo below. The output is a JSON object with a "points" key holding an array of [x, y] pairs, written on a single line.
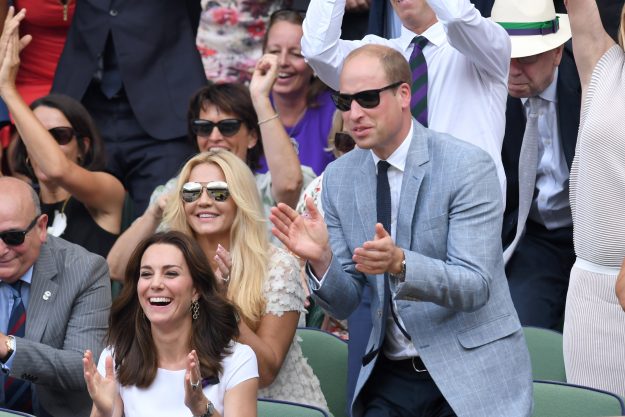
{"points": [[383, 208], [419, 68], [17, 392]]}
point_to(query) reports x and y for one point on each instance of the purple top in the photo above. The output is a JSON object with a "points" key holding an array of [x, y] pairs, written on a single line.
{"points": [[311, 134]]}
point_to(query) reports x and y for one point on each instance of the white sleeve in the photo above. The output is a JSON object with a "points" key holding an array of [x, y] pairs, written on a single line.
{"points": [[481, 40], [101, 362], [240, 366]]}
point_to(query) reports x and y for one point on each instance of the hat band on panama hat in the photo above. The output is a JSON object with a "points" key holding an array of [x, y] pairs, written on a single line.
{"points": [[531, 28]]}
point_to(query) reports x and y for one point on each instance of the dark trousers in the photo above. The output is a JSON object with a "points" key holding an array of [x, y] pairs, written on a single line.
{"points": [[138, 160], [396, 389], [359, 325], [538, 275]]}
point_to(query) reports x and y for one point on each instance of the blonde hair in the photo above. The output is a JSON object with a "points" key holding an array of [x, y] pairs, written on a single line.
{"points": [[249, 244]]}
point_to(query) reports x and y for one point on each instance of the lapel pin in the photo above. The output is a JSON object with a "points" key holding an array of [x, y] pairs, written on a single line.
{"points": [[47, 295]]}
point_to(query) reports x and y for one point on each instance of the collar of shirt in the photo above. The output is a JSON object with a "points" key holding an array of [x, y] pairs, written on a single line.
{"points": [[398, 158], [435, 34]]}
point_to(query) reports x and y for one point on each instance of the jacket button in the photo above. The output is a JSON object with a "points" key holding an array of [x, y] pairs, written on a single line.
{"points": [[113, 12]]}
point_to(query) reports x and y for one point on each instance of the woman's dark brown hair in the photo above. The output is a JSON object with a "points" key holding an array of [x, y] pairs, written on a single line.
{"points": [[92, 156], [292, 16], [130, 334], [229, 98]]}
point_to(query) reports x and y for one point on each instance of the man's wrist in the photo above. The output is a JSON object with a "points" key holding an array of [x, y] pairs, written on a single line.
{"points": [[398, 265], [7, 347], [321, 265]]}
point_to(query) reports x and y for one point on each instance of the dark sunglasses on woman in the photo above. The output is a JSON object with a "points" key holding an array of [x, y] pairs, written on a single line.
{"points": [[368, 99], [227, 127], [216, 190], [16, 237], [62, 135]]}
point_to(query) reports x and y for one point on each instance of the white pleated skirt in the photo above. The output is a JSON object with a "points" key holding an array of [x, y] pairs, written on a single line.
{"points": [[594, 329]]}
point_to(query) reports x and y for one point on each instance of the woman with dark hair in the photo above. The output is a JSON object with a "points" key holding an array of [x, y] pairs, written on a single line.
{"points": [[228, 116], [171, 345], [303, 102], [61, 151]]}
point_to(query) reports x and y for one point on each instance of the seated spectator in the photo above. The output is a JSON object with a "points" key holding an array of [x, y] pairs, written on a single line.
{"points": [[171, 346], [216, 202], [302, 100], [62, 292], [61, 151], [222, 116]]}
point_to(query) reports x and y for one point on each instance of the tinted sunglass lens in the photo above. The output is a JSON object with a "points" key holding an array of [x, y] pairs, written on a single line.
{"points": [[191, 192], [368, 99], [220, 195], [203, 127], [229, 127], [13, 238], [62, 135], [343, 102]]}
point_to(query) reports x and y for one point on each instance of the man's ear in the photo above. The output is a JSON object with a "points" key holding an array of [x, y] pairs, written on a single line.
{"points": [[405, 94]]}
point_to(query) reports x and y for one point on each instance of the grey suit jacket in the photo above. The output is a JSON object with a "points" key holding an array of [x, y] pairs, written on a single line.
{"points": [[67, 313], [455, 300]]}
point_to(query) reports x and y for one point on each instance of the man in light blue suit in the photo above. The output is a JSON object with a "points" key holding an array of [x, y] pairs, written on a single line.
{"points": [[450, 342]]}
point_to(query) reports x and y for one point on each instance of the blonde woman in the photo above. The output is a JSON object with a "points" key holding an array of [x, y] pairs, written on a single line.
{"points": [[217, 203]]}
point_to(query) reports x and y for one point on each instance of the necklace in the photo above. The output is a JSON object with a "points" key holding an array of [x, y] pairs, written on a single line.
{"points": [[60, 220], [65, 4]]}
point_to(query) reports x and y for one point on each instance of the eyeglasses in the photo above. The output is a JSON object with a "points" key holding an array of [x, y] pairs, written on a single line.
{"points": [[367, 99], [62, 135], [16, 237], [227, 127], [343, 142], [216, 190]]}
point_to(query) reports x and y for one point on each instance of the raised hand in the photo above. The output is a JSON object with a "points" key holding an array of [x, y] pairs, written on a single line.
{"points": [[10, 47], [102, 390], [265, 75], [224, 265], [305, 235], [194, 397]]}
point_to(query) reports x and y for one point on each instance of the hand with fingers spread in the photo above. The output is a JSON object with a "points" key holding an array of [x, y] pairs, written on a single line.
{"points": [[379, 255], [194, 397], [102, 389], [305, 235], [10, 47]]}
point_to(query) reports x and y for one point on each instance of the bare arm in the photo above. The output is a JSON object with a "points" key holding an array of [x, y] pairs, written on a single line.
{"points": [[284, 165], [101, 192], [271, 343], [240, 401], [590, 40], [144, 226]]}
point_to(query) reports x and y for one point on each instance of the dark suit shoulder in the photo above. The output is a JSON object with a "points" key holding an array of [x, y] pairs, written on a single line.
{"points": [[67, 261]]}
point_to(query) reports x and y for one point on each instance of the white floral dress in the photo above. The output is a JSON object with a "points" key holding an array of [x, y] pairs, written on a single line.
{"points": [[283, 291]]}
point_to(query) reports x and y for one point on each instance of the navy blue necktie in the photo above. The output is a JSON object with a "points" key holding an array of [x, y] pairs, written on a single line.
{"points": [[17, 393], [111, 75], [383, 207]]}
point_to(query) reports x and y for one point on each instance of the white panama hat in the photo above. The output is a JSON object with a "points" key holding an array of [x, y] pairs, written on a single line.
{"points": [[533, 25]]}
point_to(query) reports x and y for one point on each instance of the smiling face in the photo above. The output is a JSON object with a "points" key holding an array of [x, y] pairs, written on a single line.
{"points": [[384, 127], [531, 75], [294, 74], [165, 287], [205, 216], [238, 144]]}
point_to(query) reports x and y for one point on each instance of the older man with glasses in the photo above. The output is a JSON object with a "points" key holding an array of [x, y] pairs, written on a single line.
{"points": [[415, 215], [55, 299]]}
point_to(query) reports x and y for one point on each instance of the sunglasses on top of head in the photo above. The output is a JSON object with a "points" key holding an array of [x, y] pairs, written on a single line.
{"points": [[62, 135], [227, 127], [366, 99], [216, 190], [17, 237]]}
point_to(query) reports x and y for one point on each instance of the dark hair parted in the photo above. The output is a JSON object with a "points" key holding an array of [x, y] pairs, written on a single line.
{"points": [[130, 333], [93, 157], [230, 98], [316, 86]]}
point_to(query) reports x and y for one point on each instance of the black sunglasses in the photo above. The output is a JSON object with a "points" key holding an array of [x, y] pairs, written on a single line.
{"points": [[343, 142], [216, 190], [16, 237], [227, 127], [62, 135], [367, 99]]}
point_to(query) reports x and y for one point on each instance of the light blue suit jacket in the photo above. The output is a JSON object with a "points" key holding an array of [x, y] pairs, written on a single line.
{"points": [[455, 300]]}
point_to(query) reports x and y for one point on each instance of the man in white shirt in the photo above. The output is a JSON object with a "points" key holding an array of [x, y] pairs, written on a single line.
{"points": [[415, 215], [467, 55], [538, 228]]}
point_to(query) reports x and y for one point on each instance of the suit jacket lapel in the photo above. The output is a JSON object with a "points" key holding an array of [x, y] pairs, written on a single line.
{"points": [[413, 176], [42, 294]]}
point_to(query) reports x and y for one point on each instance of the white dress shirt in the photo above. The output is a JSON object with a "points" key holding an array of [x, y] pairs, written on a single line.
{"points": [[550, 206], [468, 61]]}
